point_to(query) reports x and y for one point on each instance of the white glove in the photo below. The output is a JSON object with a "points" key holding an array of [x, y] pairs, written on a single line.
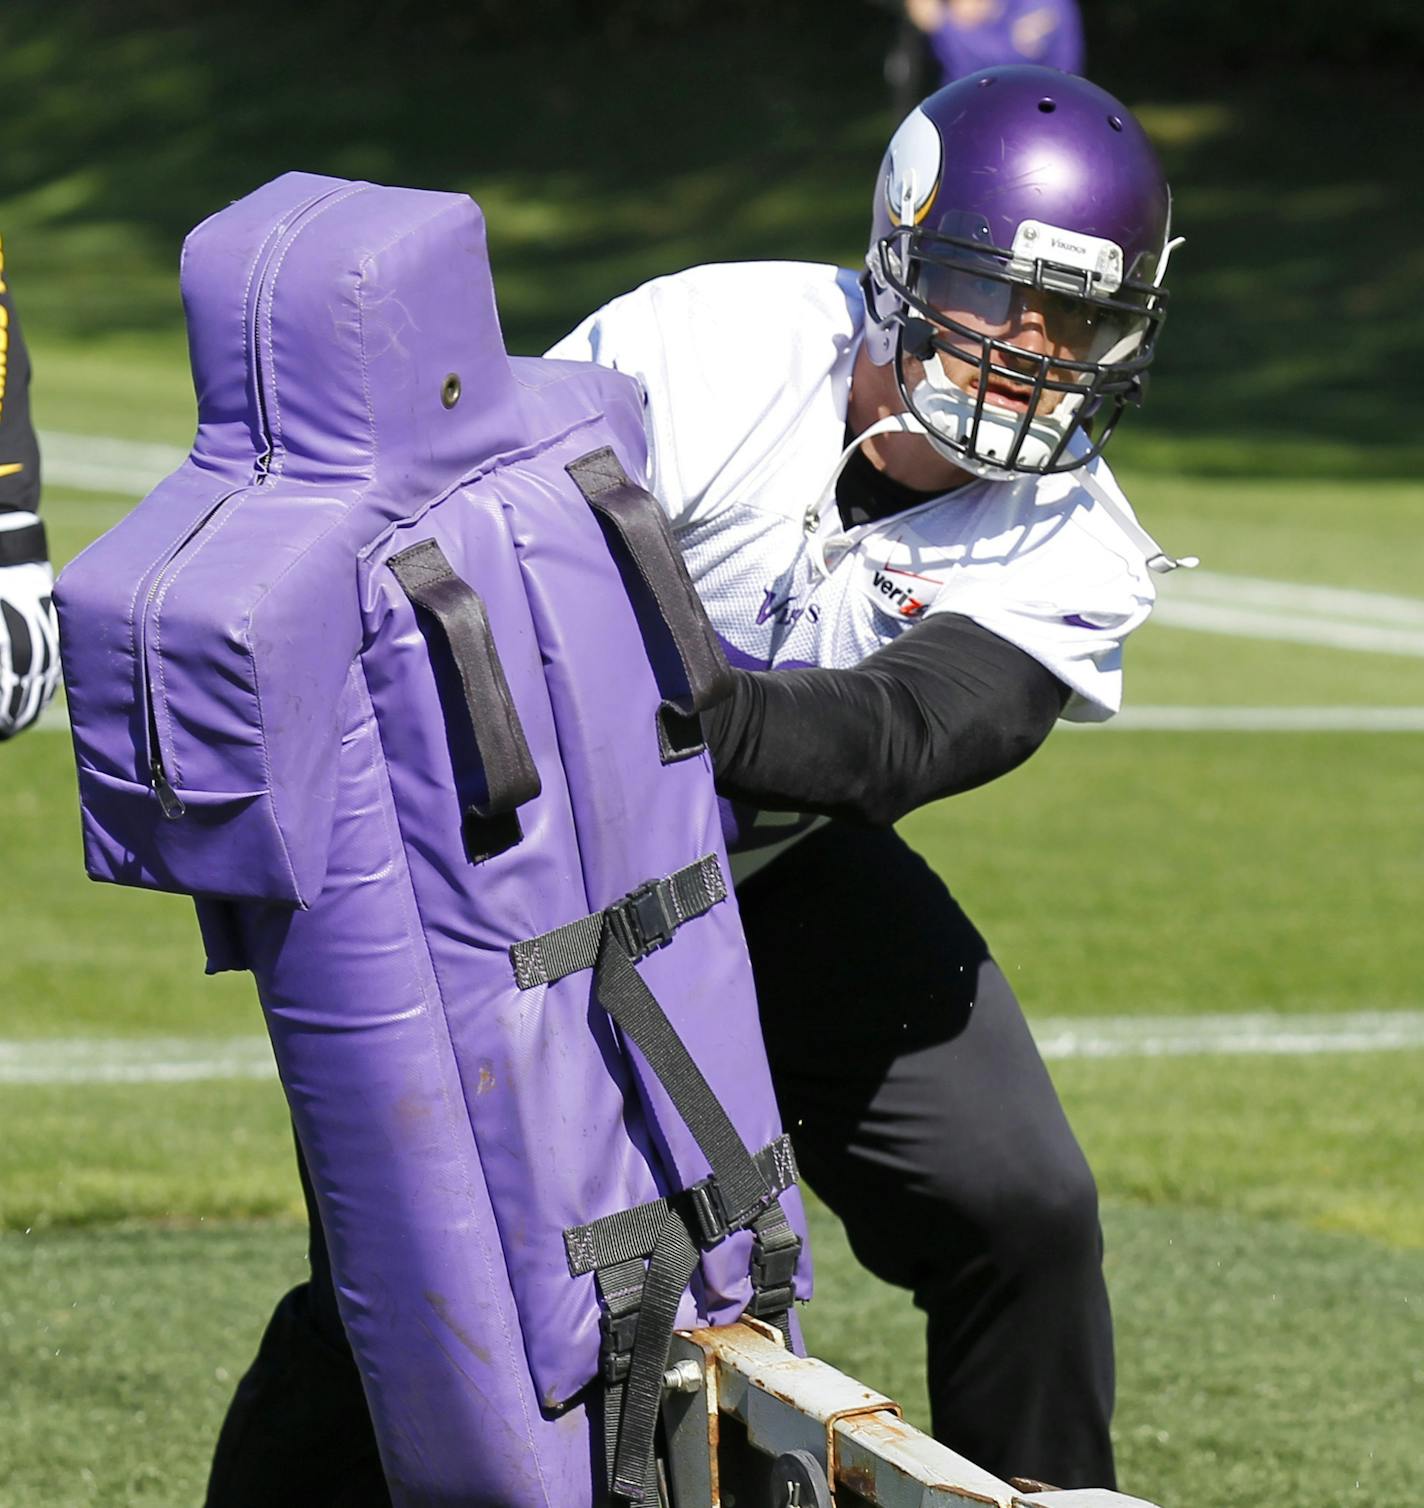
{"points": [[29, 631]]}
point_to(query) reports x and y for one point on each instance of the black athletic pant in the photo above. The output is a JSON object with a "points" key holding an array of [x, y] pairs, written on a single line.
{"points": [[921, 1114], [298, 1433]]}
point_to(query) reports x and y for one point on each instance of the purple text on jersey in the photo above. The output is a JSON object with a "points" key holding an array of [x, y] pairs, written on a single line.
{"points": [[780, 611]]}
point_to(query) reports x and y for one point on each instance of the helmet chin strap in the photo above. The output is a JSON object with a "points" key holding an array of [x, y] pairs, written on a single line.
{"points": [[892, 424], [815, 515], [1157, 558]]}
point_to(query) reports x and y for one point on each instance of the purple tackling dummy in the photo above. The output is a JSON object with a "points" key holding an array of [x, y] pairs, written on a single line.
{"points": [[399, 675]]}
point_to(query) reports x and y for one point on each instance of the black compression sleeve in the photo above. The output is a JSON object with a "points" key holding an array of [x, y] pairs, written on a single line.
{"points": [[944, 708]]}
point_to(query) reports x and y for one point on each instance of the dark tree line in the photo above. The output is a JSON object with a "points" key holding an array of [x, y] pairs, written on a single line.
{"points": [[1145, 34]]}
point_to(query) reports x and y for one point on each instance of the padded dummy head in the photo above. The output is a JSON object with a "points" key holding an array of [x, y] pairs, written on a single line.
{"points": [[344, 332]]}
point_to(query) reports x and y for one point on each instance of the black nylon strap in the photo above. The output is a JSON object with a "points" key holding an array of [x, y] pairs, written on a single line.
{"points": [[638, 1311], [619, 989], [26, 545], [630, 1233], [620, 1295], [646, 919], [612, 1423], [740, 1191], [614, 1239], [428, 579], [642, 528], [670, 1269]]}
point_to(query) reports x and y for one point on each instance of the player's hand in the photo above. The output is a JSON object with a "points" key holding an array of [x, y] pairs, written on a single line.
{"points": [[29, 631], [928, 15]]}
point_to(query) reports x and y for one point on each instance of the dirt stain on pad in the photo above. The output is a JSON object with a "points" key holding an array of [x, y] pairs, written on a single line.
{"points": [[441, 1306]]}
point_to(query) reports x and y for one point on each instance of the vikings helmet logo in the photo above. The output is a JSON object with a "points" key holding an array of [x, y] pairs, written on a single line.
{"points": [[912, 179]]}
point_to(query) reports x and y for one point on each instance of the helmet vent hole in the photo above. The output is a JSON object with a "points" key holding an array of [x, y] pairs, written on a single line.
{"points": [[1115, 121], [1047, 106]]}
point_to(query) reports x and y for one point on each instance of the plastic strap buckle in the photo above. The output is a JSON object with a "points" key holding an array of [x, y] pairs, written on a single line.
{"points": [[772, 1275], [714, 1219], [709, 1211], [645, 919], [615, 1344]]}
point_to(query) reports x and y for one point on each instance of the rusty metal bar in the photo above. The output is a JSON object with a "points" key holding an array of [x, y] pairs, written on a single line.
{"points": [[779, 1403]]}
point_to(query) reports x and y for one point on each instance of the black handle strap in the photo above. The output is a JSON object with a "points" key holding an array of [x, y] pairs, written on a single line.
{"points": [[428, 579], [641, 528]]}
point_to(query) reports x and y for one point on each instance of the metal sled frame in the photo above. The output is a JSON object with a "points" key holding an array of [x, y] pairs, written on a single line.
{"points": [[737, 1402]]}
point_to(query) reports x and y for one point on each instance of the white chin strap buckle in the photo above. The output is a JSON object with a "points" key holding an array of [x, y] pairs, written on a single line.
{"points": [[894, 424], [1162, 563]]}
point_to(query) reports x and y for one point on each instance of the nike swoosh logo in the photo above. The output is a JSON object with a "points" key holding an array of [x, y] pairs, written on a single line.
{"points": [[913, 575], [11, 467]]}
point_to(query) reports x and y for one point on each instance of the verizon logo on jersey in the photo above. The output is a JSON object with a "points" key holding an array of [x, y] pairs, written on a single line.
{"points": [[905, 603]]}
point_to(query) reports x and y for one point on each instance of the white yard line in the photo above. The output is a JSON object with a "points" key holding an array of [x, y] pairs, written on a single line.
{"points": [[115, 468], [1250, 622], [134, 1060], [1263, 720], [1260, 1034], [172, 1060], [1344, 603], [1155, 720], [1247, 607]]}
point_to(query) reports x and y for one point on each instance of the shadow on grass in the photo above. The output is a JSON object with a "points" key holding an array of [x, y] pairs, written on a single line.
{"points": [[1297, 302]]}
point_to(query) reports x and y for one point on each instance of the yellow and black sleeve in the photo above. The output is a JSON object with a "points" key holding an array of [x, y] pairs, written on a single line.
{"points": [[19, 450]]}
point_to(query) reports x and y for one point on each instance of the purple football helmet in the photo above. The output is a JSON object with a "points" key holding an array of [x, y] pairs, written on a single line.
{"points": [[1020, 234]]}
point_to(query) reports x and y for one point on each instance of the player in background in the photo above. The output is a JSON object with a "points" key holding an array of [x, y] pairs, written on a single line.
{"points": [[963, 36], [886, 490], [966, 35], [29, 634]]}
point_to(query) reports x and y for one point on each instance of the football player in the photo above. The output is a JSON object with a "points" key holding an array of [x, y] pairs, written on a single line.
{"points": [[966, 35], [29, 635], [888, 487]]}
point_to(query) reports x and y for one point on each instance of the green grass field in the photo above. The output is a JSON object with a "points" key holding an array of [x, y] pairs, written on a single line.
{"points": [[1264, 1213]]}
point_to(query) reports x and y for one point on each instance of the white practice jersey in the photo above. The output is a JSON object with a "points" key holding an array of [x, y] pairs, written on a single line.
{"points": [[745, 369]]}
